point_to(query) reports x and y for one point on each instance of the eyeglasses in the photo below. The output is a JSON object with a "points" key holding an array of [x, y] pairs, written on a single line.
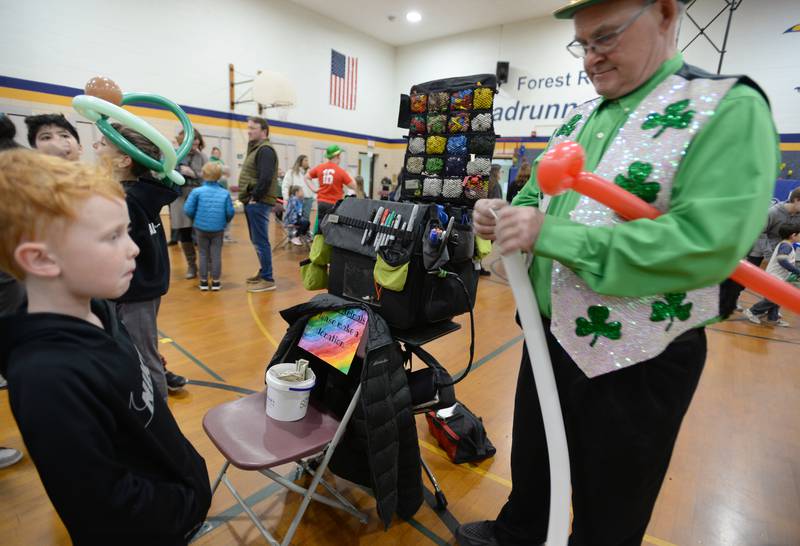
{"points": [[607, 42]]}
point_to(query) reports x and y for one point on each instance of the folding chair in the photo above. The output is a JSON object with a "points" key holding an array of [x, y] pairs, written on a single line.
{"points": [[284, 233], [250, 440], [288, 231]]}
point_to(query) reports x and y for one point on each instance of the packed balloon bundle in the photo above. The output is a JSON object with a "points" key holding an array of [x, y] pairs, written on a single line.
{"points": [[451, 140]]}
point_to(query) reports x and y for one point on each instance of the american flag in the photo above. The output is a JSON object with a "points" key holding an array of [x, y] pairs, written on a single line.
{"points": [[344, 80]]}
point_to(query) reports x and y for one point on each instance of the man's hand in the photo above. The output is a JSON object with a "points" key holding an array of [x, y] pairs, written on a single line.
{"points": [[518, 229], [187, 171], [484, 220]]}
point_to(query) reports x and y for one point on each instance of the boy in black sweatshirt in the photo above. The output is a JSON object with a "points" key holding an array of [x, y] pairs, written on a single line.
{"points": [[108, 451], [138, 307]]}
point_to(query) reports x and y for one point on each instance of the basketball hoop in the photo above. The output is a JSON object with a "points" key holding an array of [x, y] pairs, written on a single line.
{"points": [[273, 90]]}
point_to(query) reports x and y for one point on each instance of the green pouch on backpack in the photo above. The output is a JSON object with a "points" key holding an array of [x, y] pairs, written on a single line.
{"points": [[391, 267], [482, 248], [320, 253], [388, 276], [315, 277]]}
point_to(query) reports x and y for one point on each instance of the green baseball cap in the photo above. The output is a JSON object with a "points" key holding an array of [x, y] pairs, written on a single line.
{"points": [[332, 151], [574, 6]]}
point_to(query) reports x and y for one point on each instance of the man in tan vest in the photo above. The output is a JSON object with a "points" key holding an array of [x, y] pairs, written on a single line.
{"points": [[259, 190]]}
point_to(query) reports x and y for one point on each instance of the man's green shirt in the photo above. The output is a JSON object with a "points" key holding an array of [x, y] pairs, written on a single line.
{"points": [[720, 196]]}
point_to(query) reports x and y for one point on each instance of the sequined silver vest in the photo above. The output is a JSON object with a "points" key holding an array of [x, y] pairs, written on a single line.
{"points": [[603, 334]]}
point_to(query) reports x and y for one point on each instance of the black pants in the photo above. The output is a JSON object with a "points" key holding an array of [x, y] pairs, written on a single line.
{"points": [[756, 261], [184, 234], [621, 428], [323, 209]]}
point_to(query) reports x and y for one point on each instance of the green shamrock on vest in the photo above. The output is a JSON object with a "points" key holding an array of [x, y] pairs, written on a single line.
{"points": [[676, 116], [567, 129], [673, 309], [597, 325], [636, 181]]}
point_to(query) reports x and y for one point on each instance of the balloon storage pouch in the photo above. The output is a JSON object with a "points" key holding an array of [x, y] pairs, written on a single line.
{"points": [[448, 120], [416, 145], [419, 103], [436, 124], [438, 102]]}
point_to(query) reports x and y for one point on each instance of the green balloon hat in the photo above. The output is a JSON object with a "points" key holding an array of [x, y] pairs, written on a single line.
{"points": [[103, 100]]}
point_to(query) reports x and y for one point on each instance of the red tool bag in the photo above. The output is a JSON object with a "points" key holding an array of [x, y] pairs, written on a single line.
{"points": [[462, 435]]}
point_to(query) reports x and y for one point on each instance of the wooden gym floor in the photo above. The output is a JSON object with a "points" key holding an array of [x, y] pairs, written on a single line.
{"points": [[734, 477]]}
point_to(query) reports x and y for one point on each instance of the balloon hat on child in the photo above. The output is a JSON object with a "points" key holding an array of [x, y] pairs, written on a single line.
{"points": [[103, 99], [561, 169]]}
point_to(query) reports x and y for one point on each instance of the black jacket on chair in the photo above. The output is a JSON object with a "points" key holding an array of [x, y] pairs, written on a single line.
{"points": [[382, 431]]}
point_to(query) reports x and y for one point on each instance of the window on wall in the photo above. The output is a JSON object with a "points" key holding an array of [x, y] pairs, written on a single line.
{"points": [[286, 153]]}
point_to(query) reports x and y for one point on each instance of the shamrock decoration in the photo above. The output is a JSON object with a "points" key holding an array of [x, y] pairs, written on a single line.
{"points": [[597, 325], [636, 181], [671, 309], [568, 127], [676, 116]]}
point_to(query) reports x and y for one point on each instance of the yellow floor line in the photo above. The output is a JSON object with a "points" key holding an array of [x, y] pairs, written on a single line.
{"points": [[657, 541], [165, 340], [502, 481], [470, 467], [258, 321]]}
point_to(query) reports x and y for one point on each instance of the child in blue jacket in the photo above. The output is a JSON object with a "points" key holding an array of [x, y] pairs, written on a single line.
{"points": [[294, 215], [210, 207]]}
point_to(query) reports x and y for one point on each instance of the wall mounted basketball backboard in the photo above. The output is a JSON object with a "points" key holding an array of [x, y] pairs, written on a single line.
{"points": [[268, 89]]}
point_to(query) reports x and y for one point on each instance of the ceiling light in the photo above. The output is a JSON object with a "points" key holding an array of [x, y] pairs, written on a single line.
{"points": [[413, 17]]}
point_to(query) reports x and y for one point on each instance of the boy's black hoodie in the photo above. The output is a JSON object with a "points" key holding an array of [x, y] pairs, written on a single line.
{"points": [[111, 457], [146, 197]]}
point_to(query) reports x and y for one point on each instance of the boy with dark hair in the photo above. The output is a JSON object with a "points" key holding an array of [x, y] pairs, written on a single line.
{"points": [[111, 457], [781, 265], [52, 134]]}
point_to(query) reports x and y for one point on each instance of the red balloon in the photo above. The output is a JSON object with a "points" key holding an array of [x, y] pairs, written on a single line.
{"points": [[772, 288], [620, 201], [559, 171], [559, 168]]}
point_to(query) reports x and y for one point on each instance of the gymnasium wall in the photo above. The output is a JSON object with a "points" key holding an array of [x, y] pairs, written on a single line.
{"points": [[545, 79], [181, 49]]}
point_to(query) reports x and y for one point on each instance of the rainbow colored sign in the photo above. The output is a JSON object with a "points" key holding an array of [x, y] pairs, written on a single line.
{"points": [[333, 336]]}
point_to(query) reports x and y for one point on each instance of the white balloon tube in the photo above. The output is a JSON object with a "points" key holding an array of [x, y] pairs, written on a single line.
{"points": [[558, 454]]}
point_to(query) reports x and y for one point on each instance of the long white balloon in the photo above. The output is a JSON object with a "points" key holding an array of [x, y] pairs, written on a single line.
{"points": [[558, 454]]}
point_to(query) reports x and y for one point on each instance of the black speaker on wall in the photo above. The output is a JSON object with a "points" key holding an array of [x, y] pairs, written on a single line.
{"points": [[502, 72]]}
